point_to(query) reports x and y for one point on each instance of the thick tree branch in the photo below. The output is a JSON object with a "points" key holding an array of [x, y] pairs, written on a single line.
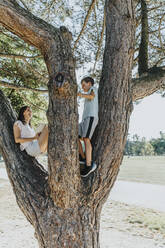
{"points": [[25, 25], [114, 94], [27, 176], [148, 84]]}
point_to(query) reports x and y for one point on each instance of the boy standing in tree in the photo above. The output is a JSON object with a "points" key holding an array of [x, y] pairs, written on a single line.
{"points": [[88, 124]]}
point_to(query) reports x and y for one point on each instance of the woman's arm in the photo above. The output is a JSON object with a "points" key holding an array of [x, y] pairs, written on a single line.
{"points": [[87, 96], [17, 135]]}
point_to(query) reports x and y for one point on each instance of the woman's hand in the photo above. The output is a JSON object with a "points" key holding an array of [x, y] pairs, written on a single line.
{"points": [[37, 135]]}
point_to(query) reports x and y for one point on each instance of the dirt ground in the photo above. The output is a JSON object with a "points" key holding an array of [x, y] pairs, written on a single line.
{"points": [[122, 225]]}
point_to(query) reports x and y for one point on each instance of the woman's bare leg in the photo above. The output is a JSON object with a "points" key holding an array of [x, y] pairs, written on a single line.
{"points": [[43, 139]]}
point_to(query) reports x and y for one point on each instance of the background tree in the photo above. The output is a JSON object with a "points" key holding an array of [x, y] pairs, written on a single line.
{"points": [[139, 147], [159, 144], [64, 208]]}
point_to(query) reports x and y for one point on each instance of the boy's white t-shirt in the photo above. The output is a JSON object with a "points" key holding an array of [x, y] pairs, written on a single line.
{"points": [[26, 132], [91, 106]]}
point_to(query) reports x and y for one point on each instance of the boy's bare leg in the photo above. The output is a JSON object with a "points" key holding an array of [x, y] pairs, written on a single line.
{"points": [[43, 139], [81, 149], [88, 151]]}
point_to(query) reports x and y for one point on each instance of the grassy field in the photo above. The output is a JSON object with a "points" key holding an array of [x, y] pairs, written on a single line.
{"points": [[147, 169]]}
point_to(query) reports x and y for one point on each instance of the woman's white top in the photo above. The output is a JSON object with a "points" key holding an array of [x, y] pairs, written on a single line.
{"points": [[26, 132]]}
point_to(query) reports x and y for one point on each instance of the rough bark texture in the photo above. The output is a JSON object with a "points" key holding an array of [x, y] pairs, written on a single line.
{"points": [[115, 96], [63, 125], [64, 208], [148, 83], [143, 48]]}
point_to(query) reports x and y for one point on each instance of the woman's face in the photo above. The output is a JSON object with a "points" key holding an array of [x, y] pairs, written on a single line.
{"points": [[27, 114]]}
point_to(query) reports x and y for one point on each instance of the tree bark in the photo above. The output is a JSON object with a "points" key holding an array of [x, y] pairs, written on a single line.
{"points": [[143, 48], [115, 96], [64, 208], [27, 176], [69, 228], [149, 83]]}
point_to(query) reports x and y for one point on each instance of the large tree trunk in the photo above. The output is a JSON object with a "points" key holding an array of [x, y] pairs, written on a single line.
{"points": [[68, 228], [64, 208]]}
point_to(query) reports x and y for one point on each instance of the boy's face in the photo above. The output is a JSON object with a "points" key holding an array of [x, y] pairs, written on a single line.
{"points": [[86, 86]]}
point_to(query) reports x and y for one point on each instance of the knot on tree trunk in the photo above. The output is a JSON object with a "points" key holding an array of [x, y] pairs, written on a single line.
{"points": [[62, 85]]}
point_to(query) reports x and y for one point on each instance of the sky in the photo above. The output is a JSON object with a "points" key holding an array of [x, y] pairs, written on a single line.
{"points": [[148, 118]]}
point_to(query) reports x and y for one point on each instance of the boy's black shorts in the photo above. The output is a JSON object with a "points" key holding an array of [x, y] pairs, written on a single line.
{"points": [[87, 127]]}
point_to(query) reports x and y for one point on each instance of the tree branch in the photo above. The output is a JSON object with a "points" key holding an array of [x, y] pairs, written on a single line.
{"points": [[16, 56], [100, 42], [30, 103], [27, 176], [146, 85], [17, 87], [24, 4], [143, 49], [25, 25], [115, 99], [85, 22], [36, 73]]}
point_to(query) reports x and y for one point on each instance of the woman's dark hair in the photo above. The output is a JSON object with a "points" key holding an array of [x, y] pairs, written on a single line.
{"points": [[88, 79], [21, 116]]}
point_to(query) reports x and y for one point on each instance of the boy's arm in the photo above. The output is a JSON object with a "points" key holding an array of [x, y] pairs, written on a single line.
{"points": [[87, 96]]}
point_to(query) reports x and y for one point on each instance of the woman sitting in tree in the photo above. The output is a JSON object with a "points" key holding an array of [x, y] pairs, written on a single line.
{"points": [[34, 144]]}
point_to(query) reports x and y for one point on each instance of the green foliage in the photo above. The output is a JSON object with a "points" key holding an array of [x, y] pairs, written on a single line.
{"points": [[142, 147], [15, 99], [22, 65], [159, 145]]}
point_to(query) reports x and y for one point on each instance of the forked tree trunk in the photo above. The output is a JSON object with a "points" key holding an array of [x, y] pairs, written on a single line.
{"points": [[76, 226], [70, 228], [64, 208]]}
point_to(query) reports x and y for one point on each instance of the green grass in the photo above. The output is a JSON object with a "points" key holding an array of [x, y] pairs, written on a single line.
{"points": [[149, 219], [146, 169]]}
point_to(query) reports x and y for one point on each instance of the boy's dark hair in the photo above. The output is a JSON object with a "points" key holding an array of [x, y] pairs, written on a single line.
{"points": [[87, 80]]}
